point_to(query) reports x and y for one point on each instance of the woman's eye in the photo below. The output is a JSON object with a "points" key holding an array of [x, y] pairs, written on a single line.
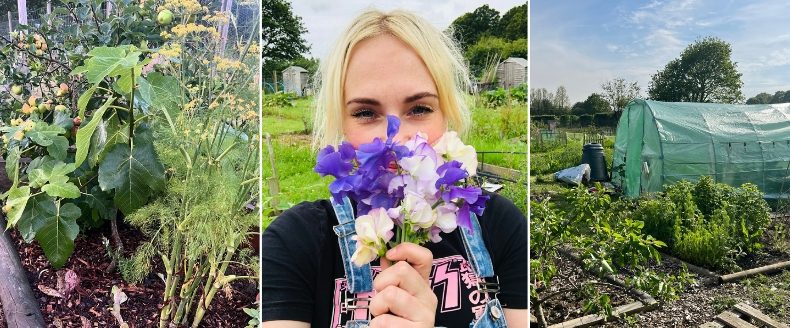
{"points": [[420, 110], [364, 113]]}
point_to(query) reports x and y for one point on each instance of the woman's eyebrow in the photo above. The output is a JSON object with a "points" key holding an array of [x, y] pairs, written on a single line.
{"points": [[419, 96], [364, 101]]}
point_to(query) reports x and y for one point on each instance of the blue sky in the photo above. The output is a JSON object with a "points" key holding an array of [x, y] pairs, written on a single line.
{"points": [[581, 44], [325, 19]]}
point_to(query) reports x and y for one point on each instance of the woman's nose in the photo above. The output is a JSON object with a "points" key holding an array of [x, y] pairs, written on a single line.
{"points": [[403, 135]]}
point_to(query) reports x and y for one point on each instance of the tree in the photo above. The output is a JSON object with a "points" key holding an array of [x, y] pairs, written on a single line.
{"points": [[760, 98], [541, 102], [561, 101], [594, 103], [514, 23], [488, 47], [618, 93], [703, 73], [470, 27], [766, 98], [282, 32]]}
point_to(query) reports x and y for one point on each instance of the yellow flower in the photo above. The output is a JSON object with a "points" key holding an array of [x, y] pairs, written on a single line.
{"points": [[171, 51]]}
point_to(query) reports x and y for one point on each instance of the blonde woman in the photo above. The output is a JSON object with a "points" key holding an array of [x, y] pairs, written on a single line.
{"points": [[393, 64]]}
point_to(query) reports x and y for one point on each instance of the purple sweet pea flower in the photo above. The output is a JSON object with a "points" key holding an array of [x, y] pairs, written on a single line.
{"points": [[450, 173], [335, 163]]}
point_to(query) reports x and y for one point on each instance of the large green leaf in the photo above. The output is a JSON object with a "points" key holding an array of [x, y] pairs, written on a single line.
{"points": [[100, 203], [108, 61], [160, 92], [33, 218], [43, 134], [12, 162], [51, 177], [59, 186], [85, 133], [134, 172], [58, 232], [63, 120], [108, 133], [82, 102], [17, 200], [59, 147]]}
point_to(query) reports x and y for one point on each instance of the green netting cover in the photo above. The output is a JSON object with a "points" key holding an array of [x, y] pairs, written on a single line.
{"points": [[660, 143]]}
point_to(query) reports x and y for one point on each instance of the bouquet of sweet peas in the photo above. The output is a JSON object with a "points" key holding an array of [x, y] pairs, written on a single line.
{"points": [[418, 189]]}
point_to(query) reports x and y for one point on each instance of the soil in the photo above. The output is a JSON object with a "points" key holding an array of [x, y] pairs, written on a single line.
{"points": [[700, 302], [90, 304], [568, 306]]}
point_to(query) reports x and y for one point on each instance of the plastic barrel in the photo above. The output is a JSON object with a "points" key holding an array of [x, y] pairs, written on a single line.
{"points": [[592, 154]]}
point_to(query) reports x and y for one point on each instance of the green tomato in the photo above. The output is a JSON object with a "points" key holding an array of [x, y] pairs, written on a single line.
{"points": [[17, 89], [165, 17]]}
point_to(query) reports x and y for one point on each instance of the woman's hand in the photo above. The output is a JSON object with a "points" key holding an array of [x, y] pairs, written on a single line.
{"points": [[404, 297]]}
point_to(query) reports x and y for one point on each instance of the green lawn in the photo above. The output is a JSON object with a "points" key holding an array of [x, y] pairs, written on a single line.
{"points": [[275, 125]]}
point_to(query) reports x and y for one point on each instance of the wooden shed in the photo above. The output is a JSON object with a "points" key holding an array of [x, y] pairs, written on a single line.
{"points": [[295, 79], [512, 72]]}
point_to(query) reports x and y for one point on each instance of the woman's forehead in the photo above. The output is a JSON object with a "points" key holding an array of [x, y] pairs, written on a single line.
{"points": [[385, 64]]}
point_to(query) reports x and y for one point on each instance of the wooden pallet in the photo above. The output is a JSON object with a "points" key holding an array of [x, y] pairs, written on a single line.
{"points": [[743, 316]]}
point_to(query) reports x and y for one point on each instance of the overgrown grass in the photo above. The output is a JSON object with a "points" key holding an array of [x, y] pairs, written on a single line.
{"points": [[502, 130]]}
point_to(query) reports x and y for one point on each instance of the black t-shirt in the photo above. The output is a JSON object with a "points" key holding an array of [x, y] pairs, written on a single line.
{"points": [[304, 280]]}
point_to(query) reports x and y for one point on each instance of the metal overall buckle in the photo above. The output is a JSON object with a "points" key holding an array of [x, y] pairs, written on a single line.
{"points": [[488, 287], [351, 303]]}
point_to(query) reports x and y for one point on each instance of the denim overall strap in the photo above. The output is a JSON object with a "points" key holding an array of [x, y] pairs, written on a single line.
{"points": [[480, 259], [476, 249], [359, 278]]}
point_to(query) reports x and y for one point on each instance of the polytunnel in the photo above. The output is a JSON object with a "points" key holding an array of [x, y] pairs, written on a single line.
{"points": [[660, 143]]}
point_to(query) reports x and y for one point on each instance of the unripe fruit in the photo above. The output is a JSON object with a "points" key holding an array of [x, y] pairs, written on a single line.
{"points": [[165, 17], [19, 135], [17, 89], [31, 101], [7, 208], [61, 108]]}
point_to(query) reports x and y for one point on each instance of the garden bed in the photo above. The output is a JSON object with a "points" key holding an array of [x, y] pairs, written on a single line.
{"points": [[92, 299], [569, 305]]}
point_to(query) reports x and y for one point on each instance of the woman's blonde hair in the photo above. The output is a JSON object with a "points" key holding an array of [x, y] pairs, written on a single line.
{"points": [[438, 51]]}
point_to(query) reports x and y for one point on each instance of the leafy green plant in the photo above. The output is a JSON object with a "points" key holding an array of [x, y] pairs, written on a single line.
{"points": [[279, 99], [707, 223], [54, 193], [495, 98], [607, 239]]}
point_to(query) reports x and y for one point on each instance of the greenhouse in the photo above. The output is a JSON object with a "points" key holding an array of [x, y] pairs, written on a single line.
{"points": [[660, 143]]}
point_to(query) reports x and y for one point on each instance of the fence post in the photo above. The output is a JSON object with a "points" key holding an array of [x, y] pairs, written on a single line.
{"points": [[226, 9], [10, 25], [109, 8], [22, 8]]}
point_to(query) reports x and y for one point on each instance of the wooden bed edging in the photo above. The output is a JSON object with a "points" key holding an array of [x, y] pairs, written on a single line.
{"points": [[594, 319], [771, 268], [20, 307]]}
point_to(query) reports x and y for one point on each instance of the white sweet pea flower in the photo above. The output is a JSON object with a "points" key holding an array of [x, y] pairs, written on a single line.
{"points": [[374, 230], [418, 211], [447, 217], [450, 147]]}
